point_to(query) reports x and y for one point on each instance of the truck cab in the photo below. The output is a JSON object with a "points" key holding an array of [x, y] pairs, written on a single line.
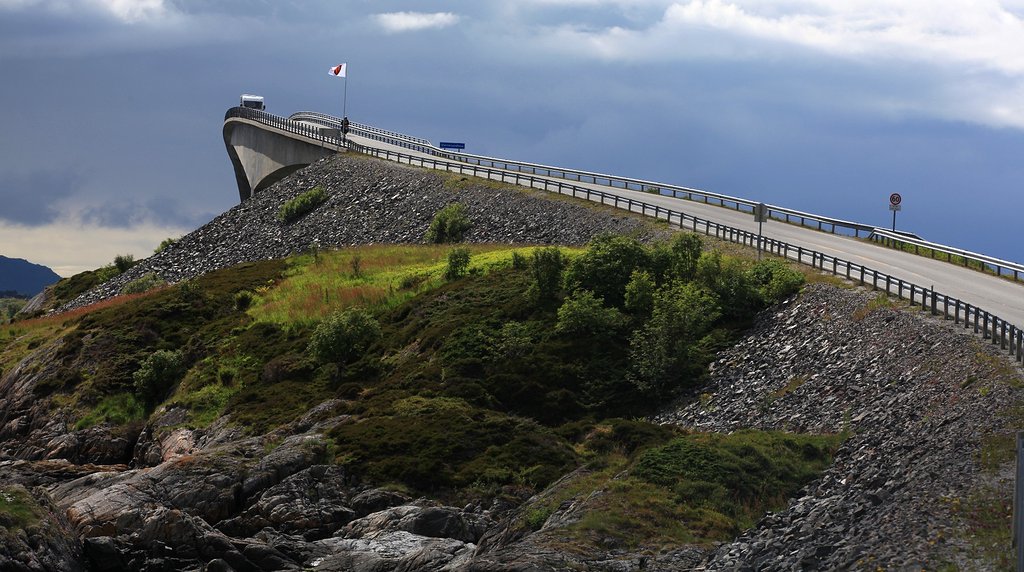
{"points": [[252, 102]]}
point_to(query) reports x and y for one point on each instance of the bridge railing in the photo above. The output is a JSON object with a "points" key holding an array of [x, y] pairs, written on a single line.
{"points": [[282, 123], [951, 254], [991, 327], [382, 135]]}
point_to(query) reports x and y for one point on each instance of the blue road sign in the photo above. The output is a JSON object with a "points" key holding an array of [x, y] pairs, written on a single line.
{"points": [[450, 145]]}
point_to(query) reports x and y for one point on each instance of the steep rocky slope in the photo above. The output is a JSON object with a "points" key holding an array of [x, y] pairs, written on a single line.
{"points": [[370, 202]]}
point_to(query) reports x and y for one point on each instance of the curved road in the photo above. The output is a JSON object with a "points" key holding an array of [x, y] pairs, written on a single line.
{"points": [[999, 296]]}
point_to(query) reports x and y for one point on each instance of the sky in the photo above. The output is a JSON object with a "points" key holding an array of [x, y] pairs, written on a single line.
{"points": [[111, 110]]}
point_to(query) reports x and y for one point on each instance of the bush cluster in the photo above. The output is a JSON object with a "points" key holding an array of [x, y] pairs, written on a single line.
{"points": [[157, 373], [143, 283], [294, 209], [343, 335], [458, 264], [449, 225]]}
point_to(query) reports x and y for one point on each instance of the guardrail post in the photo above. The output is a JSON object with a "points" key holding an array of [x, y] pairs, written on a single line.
{"points": [[1002, 334]]}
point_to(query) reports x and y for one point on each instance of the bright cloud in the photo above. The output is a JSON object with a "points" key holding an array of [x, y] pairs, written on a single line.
{"points": [[972, 49], [394, 22], [70, 247], [128, 11]]}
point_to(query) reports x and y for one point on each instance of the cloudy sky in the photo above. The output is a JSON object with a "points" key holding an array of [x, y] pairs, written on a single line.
{"points": [[111, 110]]}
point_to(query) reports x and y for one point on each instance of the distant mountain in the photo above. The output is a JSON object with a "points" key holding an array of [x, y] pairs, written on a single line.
{"points": [[24, 277]]}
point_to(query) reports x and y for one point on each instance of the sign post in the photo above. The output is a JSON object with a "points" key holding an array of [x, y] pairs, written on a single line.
{"points": [[895, 201], [760, 215]]}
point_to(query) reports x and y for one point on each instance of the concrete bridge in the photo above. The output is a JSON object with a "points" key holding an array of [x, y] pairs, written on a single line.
{"points": [[975, 290], [263, 150]]}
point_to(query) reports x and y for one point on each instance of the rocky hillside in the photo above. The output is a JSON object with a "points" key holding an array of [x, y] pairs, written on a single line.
{"points": [[929, 409], [487, 427], [370, 202]]}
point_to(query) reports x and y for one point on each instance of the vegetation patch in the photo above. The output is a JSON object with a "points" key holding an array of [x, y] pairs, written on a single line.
{"points": [[294, 209], [450, 224], [119, 409], [18, 510], [143, 283]]}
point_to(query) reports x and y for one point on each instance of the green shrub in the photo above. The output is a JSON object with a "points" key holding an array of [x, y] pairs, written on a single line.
{"points": [[123, 262], [158, 372], [775, 280], [736, 475], [584, 314], [662, 350], [449, 225], [606, 267], [243, 300], [513, 340], [143, 283], [164, 244], [518, 260], [458, 264], [343, 336], [548, 265], [295, 208], [686, 251]]}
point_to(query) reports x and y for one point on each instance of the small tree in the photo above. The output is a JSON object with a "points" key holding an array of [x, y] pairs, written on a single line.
{"points": [[123, 262], [606, 267], [686, 250], [157, 373], [449, 225], [662, 350], [548, 264], [458, 264], [343, 335], [640, 293]]}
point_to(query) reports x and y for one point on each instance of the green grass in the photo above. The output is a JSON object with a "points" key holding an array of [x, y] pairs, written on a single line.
{"points": [[388, 276], [294, 209], [119, 409], [18, 510], [683, 489]]}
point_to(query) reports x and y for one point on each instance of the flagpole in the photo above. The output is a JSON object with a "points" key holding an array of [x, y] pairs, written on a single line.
{"points": [[344, 100]]}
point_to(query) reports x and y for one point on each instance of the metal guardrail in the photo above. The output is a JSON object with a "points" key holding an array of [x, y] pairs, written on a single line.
{"points": [[818, 222], [1000, 267], [360, 127], [808, 220], [991, 327]]}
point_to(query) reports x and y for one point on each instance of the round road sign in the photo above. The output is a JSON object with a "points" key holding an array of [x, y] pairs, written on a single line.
{"points": [[895, 199]]}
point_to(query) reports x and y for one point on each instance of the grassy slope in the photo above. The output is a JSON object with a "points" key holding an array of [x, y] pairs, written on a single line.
{"points": [[471, 392]]}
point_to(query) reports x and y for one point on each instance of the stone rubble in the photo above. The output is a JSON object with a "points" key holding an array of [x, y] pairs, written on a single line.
{"points": [[369, 202], [916, 413]]}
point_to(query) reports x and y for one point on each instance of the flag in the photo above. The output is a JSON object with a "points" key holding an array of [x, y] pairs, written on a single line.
{"points": [[338, 70]]}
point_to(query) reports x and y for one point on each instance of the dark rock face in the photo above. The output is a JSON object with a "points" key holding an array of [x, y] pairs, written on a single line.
{"points": [[369, 202]]}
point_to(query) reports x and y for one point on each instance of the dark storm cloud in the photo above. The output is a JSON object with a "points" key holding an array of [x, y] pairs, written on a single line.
{"points": [[31, 198]]}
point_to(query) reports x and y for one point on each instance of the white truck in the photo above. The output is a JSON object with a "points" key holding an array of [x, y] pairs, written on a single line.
{"points": [[252, 102]]}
